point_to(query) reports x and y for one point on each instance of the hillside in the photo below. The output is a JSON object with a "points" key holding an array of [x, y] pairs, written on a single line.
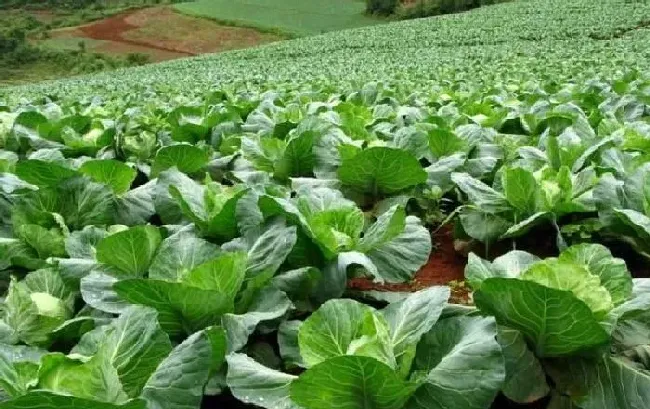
{"points": [[527, 39], [450, 212]]}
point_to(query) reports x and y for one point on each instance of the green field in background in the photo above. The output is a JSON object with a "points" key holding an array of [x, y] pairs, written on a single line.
{"points": [[305, 17]]}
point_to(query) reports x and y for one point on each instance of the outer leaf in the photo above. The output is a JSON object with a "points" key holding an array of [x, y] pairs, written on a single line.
{"points": [[18, 368], [413, 316], [464, 364], [525, 378], [520, 189], [329, 331], [352, 382], [256, 384], [224, 274], [97, 291], [180, 307], [179, 254], [270, 304], [382, 170], [399, 259], [480, 194], [553, 321], [110, 172], [134, 346], [271, 248], [186, 158], [48, 400], [611, 382], [42, 173], [388, 226], [131, 251], [179, 380]]}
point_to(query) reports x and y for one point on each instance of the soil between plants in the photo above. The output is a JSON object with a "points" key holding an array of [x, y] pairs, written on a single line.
{"points": [[445, 267]]}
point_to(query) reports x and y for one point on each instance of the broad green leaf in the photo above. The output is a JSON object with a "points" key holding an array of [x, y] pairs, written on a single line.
{"points": [[525, 378], [381, 170], [46, 242], [181, 308], [271, 248], [298, 158], [134, 345], [480, 194], [48, 400], [463, 364], [186, 158], [269, 305], [18, 368], [179, 254], [413, 316], [510, 265], [352, 382], [288, 343], [520, 189], [110, 172], [95, 379], [130, 251], [388, 226], [179, 380], [78, 201], [482, 226], [42, 173], [555, 322], [585, 286], [611, 382], [337, 230], [525, 226], [612, 271], [97, 291], [224, 274], [137, 205], [398, 259], [330, 330], [169, 207], [443, 142], [82, 243], [253, 383]]}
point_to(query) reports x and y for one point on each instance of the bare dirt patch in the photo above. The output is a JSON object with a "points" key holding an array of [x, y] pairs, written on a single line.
{"points": [[163, 34], [189, 34], [445, 267]]}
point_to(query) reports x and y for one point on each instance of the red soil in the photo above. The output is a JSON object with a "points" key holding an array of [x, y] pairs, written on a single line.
{"points": [[112, 28], [163, 34], [445, 266]]}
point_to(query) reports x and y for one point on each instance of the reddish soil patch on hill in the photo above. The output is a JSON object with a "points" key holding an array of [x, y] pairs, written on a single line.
{"points": [[445, 267], [164, 34]]}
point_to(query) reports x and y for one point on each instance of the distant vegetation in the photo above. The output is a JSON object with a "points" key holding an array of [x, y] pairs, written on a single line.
{"points": [[24, 20], [423, 8]]}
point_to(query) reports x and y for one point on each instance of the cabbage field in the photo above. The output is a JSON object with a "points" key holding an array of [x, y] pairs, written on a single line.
{"points": [[183, 235]]}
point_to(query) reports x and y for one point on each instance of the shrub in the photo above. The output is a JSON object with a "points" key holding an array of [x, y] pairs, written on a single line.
{"points": [[381, 7], [427, 8]]}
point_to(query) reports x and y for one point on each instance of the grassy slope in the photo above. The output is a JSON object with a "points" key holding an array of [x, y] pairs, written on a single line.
{"points": [[298, 17]]}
